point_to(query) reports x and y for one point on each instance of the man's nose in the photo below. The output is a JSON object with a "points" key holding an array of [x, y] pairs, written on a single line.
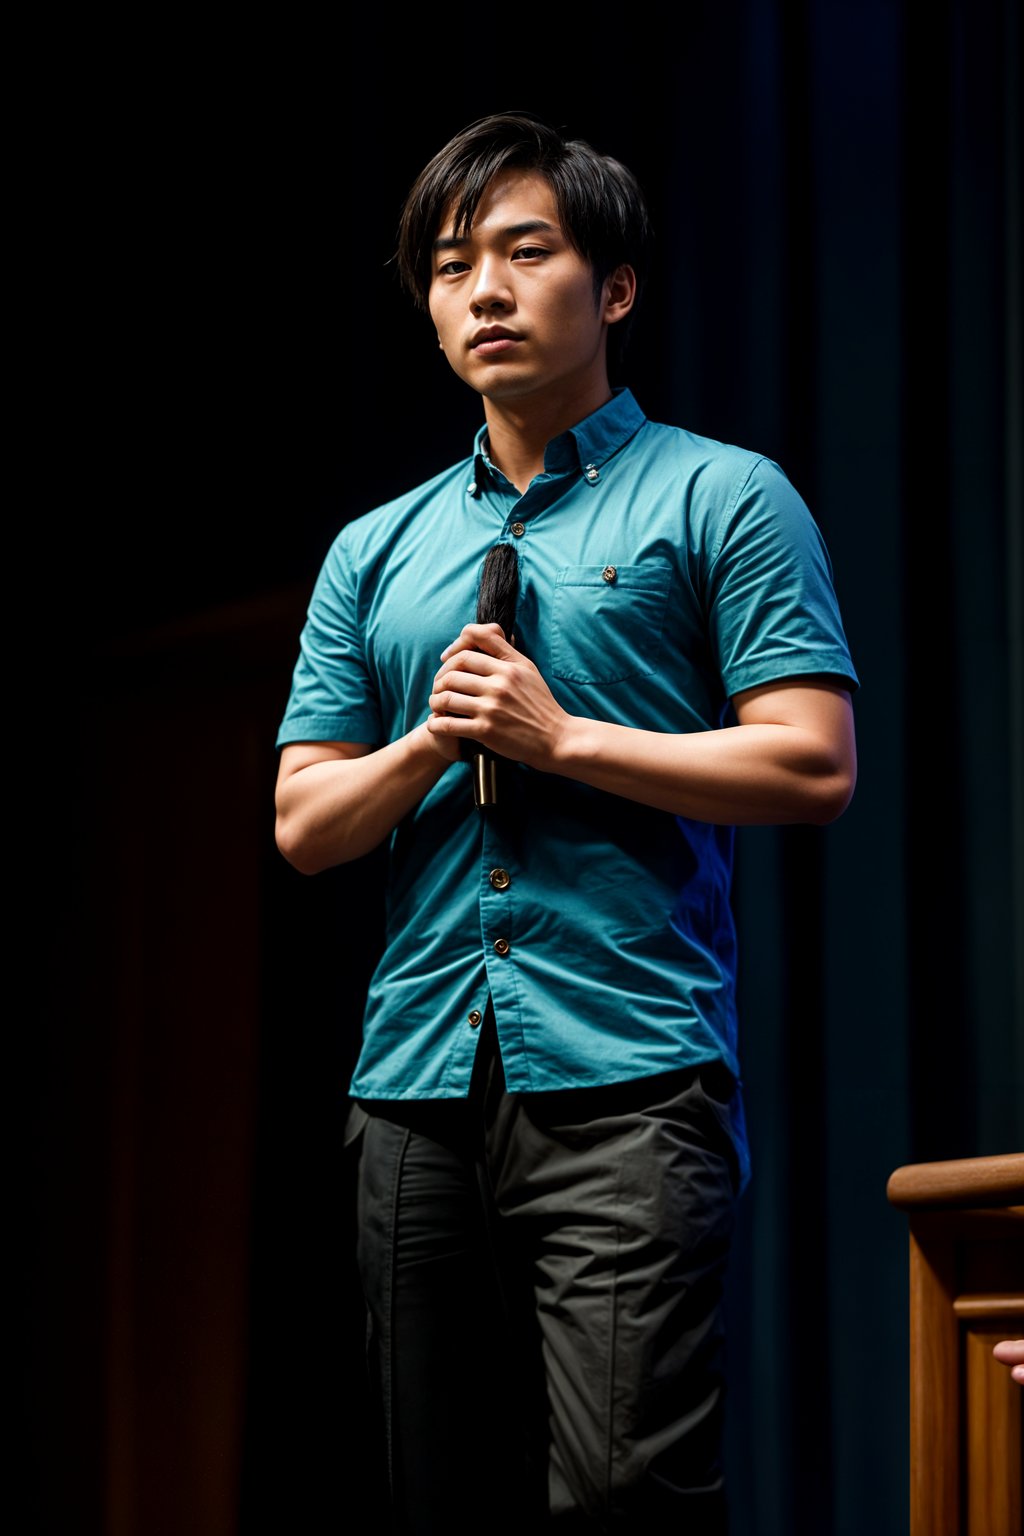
{"points": [[490, 290]]}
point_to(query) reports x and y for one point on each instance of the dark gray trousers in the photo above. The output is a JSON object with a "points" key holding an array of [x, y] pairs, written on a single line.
{"points": [[543, 1275]]}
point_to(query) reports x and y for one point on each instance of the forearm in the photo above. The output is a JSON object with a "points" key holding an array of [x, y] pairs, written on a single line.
{"points": [[741, 775], [335, 810], [790, 758]]}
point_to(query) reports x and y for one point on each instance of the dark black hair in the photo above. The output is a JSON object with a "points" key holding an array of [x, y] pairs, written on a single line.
{"points": [[600, 205]]}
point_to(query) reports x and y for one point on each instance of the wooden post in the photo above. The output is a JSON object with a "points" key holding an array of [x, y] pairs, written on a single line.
{"points": [[966, 1220]]}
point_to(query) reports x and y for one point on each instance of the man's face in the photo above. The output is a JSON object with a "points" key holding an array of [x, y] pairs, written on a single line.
{"points": [[513, 302]]}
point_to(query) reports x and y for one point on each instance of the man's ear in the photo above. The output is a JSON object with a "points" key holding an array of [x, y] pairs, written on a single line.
{"points": [[619, 293]]}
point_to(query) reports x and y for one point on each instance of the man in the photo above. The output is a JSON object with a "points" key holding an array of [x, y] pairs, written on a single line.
{"points": [[547, 1100]]}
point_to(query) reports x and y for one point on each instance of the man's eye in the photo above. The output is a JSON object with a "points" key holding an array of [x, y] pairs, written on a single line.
{"points": [[529, 251], [452, 268]]}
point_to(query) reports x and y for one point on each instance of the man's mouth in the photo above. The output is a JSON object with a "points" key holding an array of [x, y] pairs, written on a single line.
{"points": [[493, 339]]}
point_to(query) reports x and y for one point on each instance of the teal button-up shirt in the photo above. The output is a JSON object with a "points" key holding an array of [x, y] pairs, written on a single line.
{"points": [[659, 574]]}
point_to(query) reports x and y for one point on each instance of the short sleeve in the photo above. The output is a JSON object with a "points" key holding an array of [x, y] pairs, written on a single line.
{"points": [[332, 697], [772, 606]]}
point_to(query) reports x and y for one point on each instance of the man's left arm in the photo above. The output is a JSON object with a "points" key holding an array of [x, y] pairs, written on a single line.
{"points": [[791, 756]]}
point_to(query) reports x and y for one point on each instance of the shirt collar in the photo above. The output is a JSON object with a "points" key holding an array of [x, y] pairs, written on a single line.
{"points": [[587, 445]]}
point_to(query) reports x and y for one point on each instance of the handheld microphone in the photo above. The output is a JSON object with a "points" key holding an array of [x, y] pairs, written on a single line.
{"points": [[496, 604]]}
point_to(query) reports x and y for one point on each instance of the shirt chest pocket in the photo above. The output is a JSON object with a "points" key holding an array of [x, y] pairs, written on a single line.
{"points": [[607, 621]]}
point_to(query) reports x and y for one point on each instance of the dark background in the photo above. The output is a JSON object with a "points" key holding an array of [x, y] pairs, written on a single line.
{"points": [[221, 371]]}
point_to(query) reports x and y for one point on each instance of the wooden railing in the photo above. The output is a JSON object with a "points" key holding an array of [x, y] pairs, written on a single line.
{"points": [[966, 1220]]}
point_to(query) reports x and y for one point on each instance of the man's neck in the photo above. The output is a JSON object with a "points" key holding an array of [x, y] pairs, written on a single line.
{"points": [[519, 431]]}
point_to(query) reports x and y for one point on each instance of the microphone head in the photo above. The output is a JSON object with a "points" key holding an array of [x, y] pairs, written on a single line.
{"points": [[498, 592]]}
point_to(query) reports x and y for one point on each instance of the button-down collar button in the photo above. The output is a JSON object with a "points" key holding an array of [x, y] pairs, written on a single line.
{"points": [[471, 488], [475, 1018], [609, 573], [592, 473], [518, 529], [502, 946], [500, 879]]}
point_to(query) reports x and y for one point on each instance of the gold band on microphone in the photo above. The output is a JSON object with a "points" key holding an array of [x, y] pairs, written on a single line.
{"points": [[485, 778]]}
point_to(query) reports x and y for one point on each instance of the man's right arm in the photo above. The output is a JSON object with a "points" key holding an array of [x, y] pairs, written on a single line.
{"points": [[337, 800]]}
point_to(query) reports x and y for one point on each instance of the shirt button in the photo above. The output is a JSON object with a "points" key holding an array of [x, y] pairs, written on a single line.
{"points": [[609, 573], [518, 529], [471, 488], [502, 946], [592, 473], [475, 1018], [500, 879]]}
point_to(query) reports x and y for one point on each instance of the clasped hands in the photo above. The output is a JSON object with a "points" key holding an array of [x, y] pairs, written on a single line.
{"points": [[488, 692]]}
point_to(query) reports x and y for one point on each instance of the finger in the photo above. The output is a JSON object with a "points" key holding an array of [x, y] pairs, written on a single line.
{"points": [[489, 638], [450, 701], [449, 725], [465, 669]]}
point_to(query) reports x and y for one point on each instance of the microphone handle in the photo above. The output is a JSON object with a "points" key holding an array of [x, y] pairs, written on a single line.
{"points": [[485, 777], [496, 604]]}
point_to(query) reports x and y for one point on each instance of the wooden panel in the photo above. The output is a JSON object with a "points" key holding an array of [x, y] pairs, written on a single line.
{"points": [[178, 845], [993, 1411], [934, 1391]]}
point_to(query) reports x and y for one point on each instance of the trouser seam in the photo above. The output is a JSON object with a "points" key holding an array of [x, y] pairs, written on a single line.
{"points": [[387, 1366], [613, 1337]]}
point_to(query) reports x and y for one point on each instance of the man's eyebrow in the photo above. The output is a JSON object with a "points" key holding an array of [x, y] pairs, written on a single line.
{"points": [[527, 227]]}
